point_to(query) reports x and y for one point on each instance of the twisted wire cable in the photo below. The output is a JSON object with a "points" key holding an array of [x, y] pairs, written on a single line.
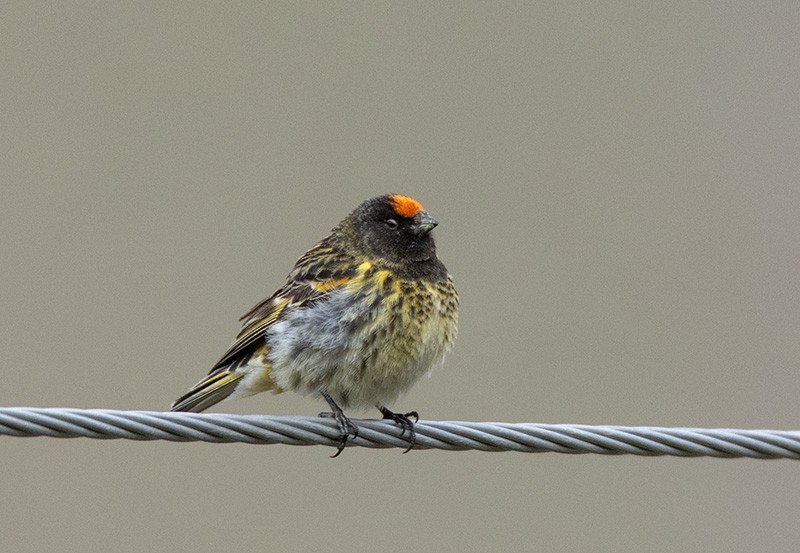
{"points": [[447, 435]]}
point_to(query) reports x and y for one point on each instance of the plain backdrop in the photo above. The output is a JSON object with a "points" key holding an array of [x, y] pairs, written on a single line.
{"points": [[617, 190]]}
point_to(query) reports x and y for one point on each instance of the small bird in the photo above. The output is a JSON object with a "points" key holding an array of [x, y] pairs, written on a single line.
{"points": [[363, 315]]}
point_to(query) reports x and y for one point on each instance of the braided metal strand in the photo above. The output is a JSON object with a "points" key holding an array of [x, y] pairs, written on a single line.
{"points": [[448, 435]]}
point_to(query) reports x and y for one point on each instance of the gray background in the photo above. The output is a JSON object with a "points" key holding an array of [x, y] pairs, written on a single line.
{"points": [[618, 193]]}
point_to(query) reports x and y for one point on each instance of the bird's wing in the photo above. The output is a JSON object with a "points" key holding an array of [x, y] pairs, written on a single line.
{"points": [[315, 275]]}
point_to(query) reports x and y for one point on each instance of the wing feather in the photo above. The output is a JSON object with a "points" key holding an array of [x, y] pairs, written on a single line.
{"points": [[321, 270]]}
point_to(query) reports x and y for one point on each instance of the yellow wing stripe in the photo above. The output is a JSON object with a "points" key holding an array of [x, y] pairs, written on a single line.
{"points": [[326, 285]]}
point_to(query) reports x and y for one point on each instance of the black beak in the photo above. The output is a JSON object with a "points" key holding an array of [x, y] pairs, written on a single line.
{"points": [[424, 222]]}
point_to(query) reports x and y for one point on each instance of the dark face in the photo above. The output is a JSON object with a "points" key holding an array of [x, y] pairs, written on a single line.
{"points": [[393, 232]]}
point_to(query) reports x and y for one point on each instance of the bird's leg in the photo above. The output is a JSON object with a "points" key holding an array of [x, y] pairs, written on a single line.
{"points": [[346, 427], [406, 425]]}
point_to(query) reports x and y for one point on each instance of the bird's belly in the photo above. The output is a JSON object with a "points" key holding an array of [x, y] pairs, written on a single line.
{"points": [[360, 350]]}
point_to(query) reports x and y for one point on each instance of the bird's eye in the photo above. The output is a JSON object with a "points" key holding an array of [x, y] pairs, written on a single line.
{"points": [[391, 223]]}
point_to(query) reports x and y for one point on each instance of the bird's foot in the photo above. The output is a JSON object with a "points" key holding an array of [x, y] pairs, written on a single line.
{"points": [[346, 426], [406, 425]]}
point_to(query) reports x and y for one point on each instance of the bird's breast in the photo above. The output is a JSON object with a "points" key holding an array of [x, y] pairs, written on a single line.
{"points": [[366, 341]]}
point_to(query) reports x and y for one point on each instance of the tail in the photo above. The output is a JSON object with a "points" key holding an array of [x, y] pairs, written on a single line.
{"points": [[209, 391]]}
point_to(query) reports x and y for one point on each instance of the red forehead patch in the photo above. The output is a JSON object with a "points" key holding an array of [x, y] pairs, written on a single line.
{"points": [[404, 206]]}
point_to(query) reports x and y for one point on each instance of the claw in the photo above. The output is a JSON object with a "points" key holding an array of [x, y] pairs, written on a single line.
{"points": [[406, 425], [346, 426]]}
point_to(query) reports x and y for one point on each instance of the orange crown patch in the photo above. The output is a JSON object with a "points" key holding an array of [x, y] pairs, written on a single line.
{"points": [[404, 206]]}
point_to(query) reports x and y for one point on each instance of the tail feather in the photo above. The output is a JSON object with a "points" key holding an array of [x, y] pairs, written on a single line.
{"points": [[209, 391]]}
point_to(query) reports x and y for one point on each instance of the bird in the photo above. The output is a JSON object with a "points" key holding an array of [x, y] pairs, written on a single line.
{"points": [[362, 316]]}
